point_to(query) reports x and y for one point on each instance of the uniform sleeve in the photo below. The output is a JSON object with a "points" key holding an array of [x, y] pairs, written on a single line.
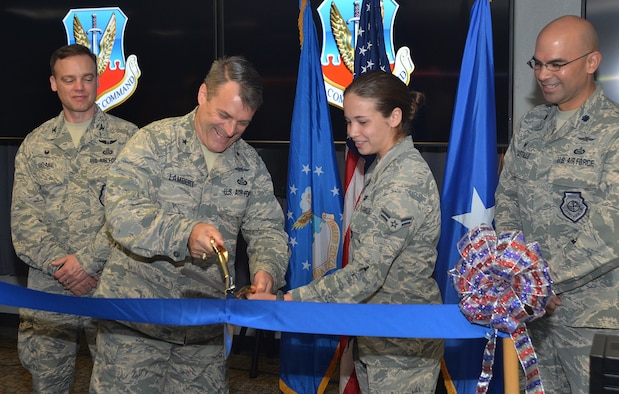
{"points": [[134, 217], [32, 240], [507, 210], [263, 229], [94, 256]]}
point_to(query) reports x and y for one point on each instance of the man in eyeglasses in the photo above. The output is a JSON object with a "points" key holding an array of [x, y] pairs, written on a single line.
{"points": [[560, 187]]}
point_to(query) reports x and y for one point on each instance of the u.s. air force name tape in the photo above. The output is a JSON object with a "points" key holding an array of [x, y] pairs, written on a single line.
{"points": [[403, 321]]}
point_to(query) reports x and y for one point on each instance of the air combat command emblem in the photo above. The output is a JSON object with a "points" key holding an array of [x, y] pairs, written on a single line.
{"points": [[340, 26], [102, 30]]}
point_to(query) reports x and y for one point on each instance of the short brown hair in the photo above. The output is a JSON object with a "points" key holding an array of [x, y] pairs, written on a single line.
{"points": [[70, 50], [236, 69]]}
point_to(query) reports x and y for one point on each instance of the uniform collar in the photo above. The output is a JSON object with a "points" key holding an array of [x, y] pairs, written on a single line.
{"points": [[392, 154]]}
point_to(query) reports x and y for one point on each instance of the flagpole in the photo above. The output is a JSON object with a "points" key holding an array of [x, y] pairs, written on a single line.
{"points": [[511, 381], [313, 200]]}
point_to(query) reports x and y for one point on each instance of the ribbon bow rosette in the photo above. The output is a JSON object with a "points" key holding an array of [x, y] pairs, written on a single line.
{"points": [[503, 283]]}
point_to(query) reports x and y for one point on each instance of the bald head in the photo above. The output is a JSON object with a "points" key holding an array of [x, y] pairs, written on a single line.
{"points": [[570, 30], [565, 61]]}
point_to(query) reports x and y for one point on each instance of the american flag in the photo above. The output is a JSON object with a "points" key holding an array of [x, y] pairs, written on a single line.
{"points": [[370, 55], [370, 52]]}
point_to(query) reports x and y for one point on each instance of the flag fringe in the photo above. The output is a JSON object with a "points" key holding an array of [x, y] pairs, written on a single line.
{"points": [[449, 384], [325, 379], [330, 370], [300, 22], [284, 388]]}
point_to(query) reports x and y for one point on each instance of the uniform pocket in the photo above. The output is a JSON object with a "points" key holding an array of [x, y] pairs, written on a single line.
{"points": [[179, 194]]}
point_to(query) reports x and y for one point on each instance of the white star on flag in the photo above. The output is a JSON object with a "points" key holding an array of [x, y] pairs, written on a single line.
{"points": [[479, 213], [293, 241]]}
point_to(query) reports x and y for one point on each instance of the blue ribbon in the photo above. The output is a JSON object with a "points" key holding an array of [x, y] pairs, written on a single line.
{"points": [[402, 320]]}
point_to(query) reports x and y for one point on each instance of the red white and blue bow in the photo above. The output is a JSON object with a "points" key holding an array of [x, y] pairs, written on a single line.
{"points": [[503, 282]]}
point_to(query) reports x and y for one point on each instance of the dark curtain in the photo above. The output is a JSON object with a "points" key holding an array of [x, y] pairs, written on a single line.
{"points": [[10, 264]]}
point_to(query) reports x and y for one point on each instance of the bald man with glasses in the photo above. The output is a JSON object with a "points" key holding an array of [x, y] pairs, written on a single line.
{"points": [[560, 187]]}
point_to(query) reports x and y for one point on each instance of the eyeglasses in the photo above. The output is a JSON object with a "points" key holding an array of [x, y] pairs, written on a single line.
{"points": [[552, 66]]}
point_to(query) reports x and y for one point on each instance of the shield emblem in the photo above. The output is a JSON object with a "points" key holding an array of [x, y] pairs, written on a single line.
{"points": [[340, 22], [573, 206], [102, 30]]}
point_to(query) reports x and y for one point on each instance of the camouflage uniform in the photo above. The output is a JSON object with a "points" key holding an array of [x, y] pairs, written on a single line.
{"points": [[561, 188], [394, 233], [159, 189], [57, 210]]}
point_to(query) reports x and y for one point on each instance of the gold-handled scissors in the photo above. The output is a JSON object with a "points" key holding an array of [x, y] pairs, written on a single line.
{"points": [[222, 255]]}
